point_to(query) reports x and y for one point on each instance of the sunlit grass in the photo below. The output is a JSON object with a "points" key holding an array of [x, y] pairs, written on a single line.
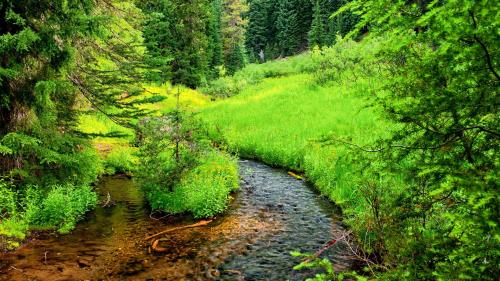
{"points": [[281, 119]]}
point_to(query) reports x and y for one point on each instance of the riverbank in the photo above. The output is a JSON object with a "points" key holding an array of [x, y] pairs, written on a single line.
{"points": [[272, 214]]}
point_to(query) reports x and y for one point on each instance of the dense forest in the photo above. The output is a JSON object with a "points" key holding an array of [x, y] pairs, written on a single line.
{"points": [[389, 108]]}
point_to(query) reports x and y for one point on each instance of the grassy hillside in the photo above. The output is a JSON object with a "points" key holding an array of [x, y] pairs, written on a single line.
{"points": [[280, 120]]}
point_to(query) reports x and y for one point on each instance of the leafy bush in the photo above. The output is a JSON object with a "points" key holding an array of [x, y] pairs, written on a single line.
{"points": [[180, 171], [252, 74], [120, 160], [8, 200], [202, 191], [60, 208]]}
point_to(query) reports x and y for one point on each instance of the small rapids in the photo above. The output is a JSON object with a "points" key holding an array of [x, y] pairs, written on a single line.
{"points": [[272, 214]]}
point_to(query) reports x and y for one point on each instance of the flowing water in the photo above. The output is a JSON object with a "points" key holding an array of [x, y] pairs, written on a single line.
{"points": [[272, 215]]}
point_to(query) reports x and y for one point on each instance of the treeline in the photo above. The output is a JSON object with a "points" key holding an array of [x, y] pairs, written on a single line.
{"points": [[196, 41]]}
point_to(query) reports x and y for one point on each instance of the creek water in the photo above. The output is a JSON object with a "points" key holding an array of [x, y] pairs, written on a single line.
{"points": [[271, 215]]}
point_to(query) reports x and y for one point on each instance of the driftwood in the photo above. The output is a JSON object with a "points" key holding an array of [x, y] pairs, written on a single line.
{"points": [[201, 223], [156, 248], [297, 177]]}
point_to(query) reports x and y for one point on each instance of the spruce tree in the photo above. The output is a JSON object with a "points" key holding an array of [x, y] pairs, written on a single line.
{"points": [[176, 37], [233, 33], [215, 57], [317, 34], [258, 29], [288, 28]]}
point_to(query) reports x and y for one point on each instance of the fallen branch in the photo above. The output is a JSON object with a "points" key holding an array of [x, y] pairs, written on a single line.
{"points": [[201, 223], [107, 201], [328, 246], [297, 177], [156, 248]]}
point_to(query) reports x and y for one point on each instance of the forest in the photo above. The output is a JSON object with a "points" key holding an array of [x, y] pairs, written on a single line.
{"points": [[249, 140]]}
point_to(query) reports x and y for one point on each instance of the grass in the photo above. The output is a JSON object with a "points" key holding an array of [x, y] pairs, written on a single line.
{"points": [[203, 191], [281, 119]]}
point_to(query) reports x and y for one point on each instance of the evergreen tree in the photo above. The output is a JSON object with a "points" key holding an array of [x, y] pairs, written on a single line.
{"points": [[288, 29], [215, 47], [233, 33], [38, 102], [317, 34], [261, 30], [293, 23], [176, 36]]}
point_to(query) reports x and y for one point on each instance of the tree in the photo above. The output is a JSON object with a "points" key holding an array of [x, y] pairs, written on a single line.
{"points": [[318, 30], [38, 109], [442, 85], [176, 37], [233, 34], [261, 28], [216, 60], [287, 27]]}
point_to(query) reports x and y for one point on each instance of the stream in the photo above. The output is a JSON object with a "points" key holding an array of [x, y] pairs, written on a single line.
{"points": [[271, 215]]}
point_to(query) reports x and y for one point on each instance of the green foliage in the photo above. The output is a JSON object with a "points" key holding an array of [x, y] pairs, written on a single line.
{"points": [[260, 31], [57, 207], [318, 29], [202, 191], [233, 34], [8, 200], [179, 171], [287, 27], [176, 37], [60, 208], [120, 160], [215, 47], [252, 74], [441, 81]]}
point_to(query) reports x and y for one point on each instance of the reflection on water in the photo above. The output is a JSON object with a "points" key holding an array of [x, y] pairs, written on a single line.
{"points": [[271, 215]]}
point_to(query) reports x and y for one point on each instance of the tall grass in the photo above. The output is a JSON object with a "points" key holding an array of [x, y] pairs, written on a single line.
{"points": [[281, 120]]}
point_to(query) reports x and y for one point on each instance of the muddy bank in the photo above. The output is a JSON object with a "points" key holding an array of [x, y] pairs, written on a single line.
{"points": [[272, 214]]}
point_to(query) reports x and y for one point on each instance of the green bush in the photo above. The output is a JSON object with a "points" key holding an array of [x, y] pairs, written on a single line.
{"points": [[8, 199], [60, 208], [179, 171], [252, 74], [120, 160], [203, 191]]}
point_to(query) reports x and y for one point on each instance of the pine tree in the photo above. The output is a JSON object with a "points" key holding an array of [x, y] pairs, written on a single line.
{"points": [[176, 36], [259, 29], [233, 34], [317, 34], [215, 46], [287, 26], [38, 111], [293, 23]]}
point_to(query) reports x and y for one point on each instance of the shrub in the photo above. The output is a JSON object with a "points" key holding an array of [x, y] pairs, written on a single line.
{"points": [[8, 206], [179, 170], [120, 160], [60, 208]]}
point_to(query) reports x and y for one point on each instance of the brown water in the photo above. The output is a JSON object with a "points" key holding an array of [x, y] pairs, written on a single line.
{"points": [[271, 215]]}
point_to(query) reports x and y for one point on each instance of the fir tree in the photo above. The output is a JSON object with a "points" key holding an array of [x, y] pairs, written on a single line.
{"points": [[258, 28], [177, 40], [287, 28], [38, 103], [215, 47], [318, 30], [233, 33]]}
